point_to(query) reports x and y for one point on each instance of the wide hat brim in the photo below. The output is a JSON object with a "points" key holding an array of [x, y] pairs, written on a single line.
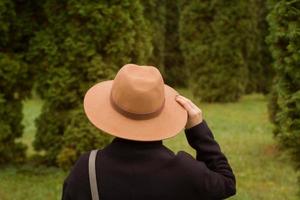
{"points": [[168, 123]]}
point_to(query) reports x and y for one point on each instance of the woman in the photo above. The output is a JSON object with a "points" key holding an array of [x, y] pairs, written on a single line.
{"points": [[140, 111]]}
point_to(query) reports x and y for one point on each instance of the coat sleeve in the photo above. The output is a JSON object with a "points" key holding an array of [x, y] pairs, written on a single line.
{"points": [[65, 195], [216, 174]]}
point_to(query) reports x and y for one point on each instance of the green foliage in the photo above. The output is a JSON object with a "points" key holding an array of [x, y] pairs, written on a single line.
{"points": [[175, 72], [82, 42], [155, 16], [162, 18], [272, 104], [15, 77], [67, 46], [7, 14], [12, 75], [79, 137], [10, 129], [18, 22], [212, 41], [284, 41], [50, 129], [255, 49]]}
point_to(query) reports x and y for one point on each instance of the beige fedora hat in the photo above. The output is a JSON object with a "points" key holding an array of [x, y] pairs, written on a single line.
{"points": [[136, 105]]}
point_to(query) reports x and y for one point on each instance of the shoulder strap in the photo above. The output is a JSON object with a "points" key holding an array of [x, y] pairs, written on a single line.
{"points": [[92, 175]]}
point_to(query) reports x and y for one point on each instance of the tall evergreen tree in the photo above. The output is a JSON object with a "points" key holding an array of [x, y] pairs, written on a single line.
{"points": [[284, 41], [175, 72], [155, 16], [211, 42], [16, 78], [81, 43], [12, 71], [255, 49]]}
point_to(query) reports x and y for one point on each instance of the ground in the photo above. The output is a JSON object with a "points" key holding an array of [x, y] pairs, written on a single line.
{"points": [[242, 129]]}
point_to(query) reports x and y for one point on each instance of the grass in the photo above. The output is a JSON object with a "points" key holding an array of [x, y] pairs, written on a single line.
{"points": [[31, 111], [242, 129]]}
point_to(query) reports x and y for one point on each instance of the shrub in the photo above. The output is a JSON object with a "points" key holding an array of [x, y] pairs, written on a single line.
{"points": [[284, 41]]}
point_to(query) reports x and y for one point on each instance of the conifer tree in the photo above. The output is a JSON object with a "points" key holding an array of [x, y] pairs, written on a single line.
{"points": [[175, 71], [82, 42], [212, 42], [255, 49], [155, 17], [16, 76], [284, 41]]}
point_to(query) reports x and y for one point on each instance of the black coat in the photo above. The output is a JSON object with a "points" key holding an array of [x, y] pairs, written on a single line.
{"points": [[149, 170]]}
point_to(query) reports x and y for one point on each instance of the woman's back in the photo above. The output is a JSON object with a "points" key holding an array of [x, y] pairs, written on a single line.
{"points": [[148, 170]]}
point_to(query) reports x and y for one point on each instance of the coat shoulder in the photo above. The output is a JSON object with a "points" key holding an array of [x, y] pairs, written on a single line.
{"points": [[191, 167]]}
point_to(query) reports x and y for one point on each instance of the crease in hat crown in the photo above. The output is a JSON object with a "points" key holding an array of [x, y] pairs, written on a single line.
{"points": [[138, 90]]}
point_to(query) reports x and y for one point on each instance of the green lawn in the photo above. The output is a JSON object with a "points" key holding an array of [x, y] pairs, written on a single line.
{"points": [[242, 129]]}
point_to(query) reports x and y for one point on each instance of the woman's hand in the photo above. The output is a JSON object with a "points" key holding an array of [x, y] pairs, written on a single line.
{"points": [[194, 113]]}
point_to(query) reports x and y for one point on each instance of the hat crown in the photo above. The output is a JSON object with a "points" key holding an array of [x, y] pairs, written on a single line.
{"points": [[138, 89]]}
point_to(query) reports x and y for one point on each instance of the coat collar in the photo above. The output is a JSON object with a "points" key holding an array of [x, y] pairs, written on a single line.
{"points": [[136, 144], [129, 148], [135, 151]]}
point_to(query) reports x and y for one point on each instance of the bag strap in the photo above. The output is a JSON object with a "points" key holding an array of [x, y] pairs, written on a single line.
{"points": [[92, 175]]}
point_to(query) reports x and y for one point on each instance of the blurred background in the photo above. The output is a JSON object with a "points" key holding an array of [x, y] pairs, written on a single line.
{"points": [[239, 61]]}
